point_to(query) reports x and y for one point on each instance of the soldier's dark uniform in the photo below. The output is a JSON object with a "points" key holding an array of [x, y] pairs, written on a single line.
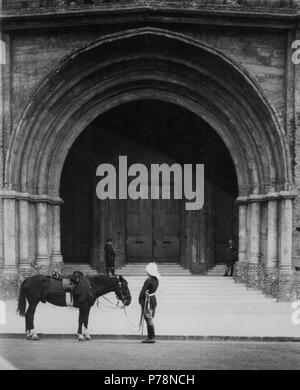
{"points": [[110, 256], [148, 303], [230, 257]]}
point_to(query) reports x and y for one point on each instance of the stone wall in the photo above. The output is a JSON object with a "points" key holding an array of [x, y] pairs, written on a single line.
{"points": [[111, 4], [34, 55]]}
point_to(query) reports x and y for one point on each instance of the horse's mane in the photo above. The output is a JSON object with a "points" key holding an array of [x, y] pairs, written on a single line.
{"points": [[100, 279]]}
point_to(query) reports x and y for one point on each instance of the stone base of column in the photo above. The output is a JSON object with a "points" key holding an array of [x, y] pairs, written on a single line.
{"points": [[297, 285], [198, 268], [56, 262], [240, 272], [270, 282], [42, 265], [25, 270], [253, 276], [9, 283], [261, 276], [286, 284]]}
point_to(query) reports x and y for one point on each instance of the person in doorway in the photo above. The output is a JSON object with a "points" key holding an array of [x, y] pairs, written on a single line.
{"points": [[148, 302], [110, 256], [230, 257]]}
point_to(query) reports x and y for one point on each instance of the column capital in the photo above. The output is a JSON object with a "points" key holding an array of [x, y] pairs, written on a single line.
{"points": [[272, 196], [12, 194], [288, 194], [242, 200], [256, 198]]}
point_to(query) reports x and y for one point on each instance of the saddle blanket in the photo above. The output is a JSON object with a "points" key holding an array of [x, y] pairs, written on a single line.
{"points": [[62, 287]]}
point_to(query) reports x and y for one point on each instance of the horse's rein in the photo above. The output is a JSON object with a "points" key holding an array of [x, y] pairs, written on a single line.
{"points": [[114, 306]]}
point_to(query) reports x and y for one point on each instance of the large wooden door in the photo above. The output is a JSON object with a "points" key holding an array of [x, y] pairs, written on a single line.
{"points": [[153, 230], [76, 212]]}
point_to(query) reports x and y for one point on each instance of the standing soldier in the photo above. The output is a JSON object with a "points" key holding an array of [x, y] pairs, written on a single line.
{"points": [[110, 256], [148, 302], [230, 255]]}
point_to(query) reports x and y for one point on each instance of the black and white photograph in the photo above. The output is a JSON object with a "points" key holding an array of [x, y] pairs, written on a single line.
{"points": [[149, 188]]}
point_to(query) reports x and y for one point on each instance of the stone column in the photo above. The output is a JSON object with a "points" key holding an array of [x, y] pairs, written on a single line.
{"points": [[286, 269], [191, 240], [9, 278], [2, 228], [24, 260], [254, 259], [10, 237], [208, 208], [42, 259], [202, 237], [240, 269], [271, 269], [56, 256]]}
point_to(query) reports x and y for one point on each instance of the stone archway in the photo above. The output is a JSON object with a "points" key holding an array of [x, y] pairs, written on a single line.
{"points": [[150, 63]]}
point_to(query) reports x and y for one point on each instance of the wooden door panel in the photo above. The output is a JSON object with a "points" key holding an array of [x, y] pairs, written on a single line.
{"points": [[166, 219], [139, 230]]}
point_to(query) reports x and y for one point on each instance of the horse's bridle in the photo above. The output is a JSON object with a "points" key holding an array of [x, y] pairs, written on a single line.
{"points": [[119, 293]]}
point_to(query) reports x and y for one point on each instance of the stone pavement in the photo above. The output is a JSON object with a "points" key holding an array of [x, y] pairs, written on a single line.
{"points": [[203, 321], [164, 355]]}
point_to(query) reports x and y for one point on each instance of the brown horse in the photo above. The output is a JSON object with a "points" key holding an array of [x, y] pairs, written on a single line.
{"points": [[89, 288]]}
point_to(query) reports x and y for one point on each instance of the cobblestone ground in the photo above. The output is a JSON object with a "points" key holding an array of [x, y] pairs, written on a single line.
{"points": [[132, 355]]}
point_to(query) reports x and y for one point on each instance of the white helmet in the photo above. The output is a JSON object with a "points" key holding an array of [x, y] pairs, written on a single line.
{"points": [[152, 270]]}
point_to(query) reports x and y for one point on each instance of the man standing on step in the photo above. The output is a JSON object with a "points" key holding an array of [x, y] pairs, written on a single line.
{"points": [[110, 256], [230, 257]]}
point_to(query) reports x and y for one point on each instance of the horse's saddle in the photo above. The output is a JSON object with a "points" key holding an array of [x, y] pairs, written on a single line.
{"points": [[68, 282]]}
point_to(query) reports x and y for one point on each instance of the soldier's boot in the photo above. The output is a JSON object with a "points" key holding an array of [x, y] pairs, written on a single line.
{"points": [[107, 271], [151, 335], [226, 271], [112, 270]]}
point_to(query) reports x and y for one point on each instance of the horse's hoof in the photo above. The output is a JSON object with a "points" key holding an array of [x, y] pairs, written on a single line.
{"points": [[80, 338], [33, 337], [87, 337]]}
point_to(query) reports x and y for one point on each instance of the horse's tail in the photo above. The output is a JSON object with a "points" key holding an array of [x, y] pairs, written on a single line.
{"points": [[22, 301]]}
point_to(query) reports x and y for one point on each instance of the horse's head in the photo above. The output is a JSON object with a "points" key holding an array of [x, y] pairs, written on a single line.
{"points": [[122, 291]]}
